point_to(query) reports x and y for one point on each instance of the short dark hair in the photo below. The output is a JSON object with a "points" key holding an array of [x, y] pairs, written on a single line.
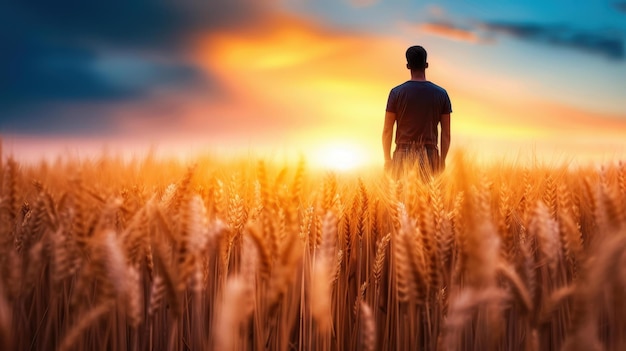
{"points": [[416, 57]]}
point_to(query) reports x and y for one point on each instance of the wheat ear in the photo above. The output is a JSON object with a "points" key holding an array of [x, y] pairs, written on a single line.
{"points": [[368, 328]]}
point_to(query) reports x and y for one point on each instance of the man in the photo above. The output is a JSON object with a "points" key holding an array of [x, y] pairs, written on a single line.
{"points": [[417, 107]]}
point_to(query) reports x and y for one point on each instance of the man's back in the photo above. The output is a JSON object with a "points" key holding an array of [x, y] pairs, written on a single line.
{"points": [[418, 106]]}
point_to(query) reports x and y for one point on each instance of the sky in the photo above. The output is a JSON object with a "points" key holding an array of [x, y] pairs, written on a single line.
{"points": [[275, 78]]}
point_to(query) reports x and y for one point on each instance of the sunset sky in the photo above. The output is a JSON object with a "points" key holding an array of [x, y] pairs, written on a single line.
{"points": [[276, 78]]}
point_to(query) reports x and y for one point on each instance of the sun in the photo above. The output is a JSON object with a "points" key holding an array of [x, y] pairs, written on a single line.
{"points": [[340, 157]]}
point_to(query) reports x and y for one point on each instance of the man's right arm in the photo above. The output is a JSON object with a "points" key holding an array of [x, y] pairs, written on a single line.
{"points": [[445, 138], [390, 120]]}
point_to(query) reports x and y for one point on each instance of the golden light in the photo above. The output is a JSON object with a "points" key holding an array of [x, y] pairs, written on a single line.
{"points": [[340, 157], [308, 83]]}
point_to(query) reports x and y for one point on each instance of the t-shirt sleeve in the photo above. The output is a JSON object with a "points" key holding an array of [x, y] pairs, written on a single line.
{"points": [[391, 102], [447, 105]]}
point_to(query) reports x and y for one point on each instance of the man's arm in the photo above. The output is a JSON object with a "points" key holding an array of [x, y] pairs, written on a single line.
{"points": [[445, 138], [390, 120]]}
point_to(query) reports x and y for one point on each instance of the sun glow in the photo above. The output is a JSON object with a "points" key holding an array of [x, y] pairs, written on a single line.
{"points": [[340, 157]]}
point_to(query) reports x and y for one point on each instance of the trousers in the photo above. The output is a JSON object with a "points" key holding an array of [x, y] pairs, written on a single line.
{"points": [[407, 157]]}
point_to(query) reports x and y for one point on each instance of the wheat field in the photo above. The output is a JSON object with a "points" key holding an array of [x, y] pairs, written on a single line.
{"points": [[150, 254]]}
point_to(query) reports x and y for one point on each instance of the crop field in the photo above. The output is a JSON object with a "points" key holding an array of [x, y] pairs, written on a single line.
{"points": [[155, 254]]}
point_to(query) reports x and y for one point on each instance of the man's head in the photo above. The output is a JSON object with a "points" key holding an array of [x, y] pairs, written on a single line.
{"points": [[416, 58]]}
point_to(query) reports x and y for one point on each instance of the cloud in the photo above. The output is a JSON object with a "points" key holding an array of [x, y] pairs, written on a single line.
{"points": [[298, 66], [621, 6], [363, 3], [154, 24], [450, 31], [605, 43], [66, 52]]}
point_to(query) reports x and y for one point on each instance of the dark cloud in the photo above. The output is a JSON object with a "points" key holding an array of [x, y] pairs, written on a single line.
{"points": [[157, 24], [621, 6], [606, 43], [36, 71], [63, 52]]}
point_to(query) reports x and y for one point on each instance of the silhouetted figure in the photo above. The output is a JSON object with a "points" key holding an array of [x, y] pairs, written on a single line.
{"points": [[417, 107]]}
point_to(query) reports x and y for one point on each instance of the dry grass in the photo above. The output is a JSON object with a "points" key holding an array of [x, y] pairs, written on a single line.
{"points": [[155, 255]]}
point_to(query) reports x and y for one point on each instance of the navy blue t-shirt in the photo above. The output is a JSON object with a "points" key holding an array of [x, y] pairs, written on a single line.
{"points": [[418, 106]]}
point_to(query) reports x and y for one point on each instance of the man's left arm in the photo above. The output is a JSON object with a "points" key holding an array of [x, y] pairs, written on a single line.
{"points": [[445, 138]]}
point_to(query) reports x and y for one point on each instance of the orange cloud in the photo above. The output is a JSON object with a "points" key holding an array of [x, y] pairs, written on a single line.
{"points": [[326, 85], [449, 31]]}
